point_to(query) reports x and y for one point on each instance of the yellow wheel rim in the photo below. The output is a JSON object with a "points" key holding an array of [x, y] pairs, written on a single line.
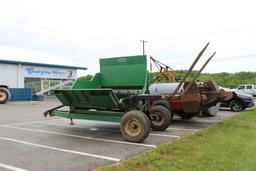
{"points": [[133, 127], [3, 95]]}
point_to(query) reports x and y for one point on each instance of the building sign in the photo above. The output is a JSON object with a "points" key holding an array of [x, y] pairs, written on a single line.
{"points": [[41, 72]]}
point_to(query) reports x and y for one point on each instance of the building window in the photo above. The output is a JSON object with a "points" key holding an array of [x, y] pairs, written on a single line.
{"points": [[49, 84], [33, 83]]}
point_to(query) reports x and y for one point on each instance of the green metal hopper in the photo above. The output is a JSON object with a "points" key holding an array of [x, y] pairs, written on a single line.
{"points": [[117, 94], [103, 97]]}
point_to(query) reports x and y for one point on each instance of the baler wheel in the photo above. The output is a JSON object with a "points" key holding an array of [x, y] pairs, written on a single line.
{"points": [[163, 103], [160, 118], [4, 95], [135, 126]]}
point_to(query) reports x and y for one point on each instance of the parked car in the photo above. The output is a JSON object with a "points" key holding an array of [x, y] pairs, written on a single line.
{"points": [[246, 89], [239, 102]]}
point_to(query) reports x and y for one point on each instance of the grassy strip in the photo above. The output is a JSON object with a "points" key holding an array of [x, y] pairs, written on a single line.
{"points": [[229, 145]]}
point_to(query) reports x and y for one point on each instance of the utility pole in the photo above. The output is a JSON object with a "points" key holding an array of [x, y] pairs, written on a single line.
{"points": [[143, 45]]}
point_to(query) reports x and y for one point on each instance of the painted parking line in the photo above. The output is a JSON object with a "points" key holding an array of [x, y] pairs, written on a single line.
{"points": [[64, 120], [182, 129], [165, 135], [94, 129], [209, 120], [79, 136], [109, 130], [11, 167], [182, 123], [77, 126], [31, 122], [60, 149], [49, 122]]}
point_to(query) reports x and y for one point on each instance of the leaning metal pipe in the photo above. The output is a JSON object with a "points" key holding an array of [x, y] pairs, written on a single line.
{"points": [[198, 74], [190, 69]]}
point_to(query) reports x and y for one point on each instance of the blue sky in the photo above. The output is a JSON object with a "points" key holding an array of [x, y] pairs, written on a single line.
{"points": [[80, 32]]}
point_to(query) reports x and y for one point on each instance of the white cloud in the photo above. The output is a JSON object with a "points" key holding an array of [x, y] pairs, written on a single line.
{"points": [[83, 31], [31, 55]]}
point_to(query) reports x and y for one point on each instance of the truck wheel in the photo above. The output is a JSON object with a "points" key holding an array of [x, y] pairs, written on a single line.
{"points": [[4, 95], [135, 126], [160, 118], [186, 115], [211, 111], [236, 106], [164, 103]]}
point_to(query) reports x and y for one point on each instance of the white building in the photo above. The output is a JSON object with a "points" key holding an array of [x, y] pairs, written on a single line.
{"points": [[38, 76]]}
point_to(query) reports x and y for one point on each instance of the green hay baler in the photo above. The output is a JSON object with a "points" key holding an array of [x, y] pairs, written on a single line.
{"points": [[117, 94]]}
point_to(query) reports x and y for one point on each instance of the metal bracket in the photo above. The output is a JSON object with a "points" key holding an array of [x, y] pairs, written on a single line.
{"points": [[49, 112]]}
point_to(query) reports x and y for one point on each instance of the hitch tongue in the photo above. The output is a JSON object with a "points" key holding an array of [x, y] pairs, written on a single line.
{"points": [[49, 112]]}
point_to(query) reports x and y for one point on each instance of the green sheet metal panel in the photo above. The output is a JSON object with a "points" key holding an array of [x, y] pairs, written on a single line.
{"points": [[99, 115], [124, 72], [86, 84], [88, 98]]}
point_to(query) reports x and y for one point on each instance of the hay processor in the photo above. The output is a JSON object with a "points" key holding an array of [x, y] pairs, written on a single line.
{"points": [[119, 93]]}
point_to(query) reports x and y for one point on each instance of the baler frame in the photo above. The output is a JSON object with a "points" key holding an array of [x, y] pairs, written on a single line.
{"points": [[117, 94]]}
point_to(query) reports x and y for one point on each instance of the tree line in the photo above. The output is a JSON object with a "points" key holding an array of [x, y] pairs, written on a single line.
{"points": [[225, 79]]}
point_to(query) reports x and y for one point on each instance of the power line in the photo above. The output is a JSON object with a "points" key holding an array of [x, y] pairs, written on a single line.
{"points": [[211, 32], [222, 59]]}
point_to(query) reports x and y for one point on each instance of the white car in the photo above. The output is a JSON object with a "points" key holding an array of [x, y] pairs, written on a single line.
{"points": [[246, 89]]}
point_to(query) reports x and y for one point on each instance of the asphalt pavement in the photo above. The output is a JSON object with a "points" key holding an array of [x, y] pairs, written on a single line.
{"points": [[29, 141]]}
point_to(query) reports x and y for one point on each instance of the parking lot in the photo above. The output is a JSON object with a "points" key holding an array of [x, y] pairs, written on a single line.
{"points": [[29, 141]]}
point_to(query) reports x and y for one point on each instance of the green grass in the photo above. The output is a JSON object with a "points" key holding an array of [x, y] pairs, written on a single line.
{"points": [[229, 145]]}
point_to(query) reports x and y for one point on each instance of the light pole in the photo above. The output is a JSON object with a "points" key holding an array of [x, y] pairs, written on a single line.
{"points": [[143, 45]]}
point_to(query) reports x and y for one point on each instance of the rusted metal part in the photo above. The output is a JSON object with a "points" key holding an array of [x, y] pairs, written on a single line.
{"points": [[163, 70], [191, 102], [190, 69], [194, 96], [211, 94], [198, 96], [227, 95], [211, 91], [192, 89], [204, 99], [198, 73]]}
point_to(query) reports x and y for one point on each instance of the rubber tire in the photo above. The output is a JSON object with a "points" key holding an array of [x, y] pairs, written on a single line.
{"points": [[186, 116], [143, 121], [211, 111], [164, 114], [164, 103], [232, 107], [8, 95], [167, 105]]}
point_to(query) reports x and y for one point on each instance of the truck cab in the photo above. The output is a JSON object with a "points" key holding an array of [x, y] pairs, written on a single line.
{"points": [[247, 89]]}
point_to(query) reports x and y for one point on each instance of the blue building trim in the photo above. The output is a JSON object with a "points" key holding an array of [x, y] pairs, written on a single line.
{"points": [[40, 64]]}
